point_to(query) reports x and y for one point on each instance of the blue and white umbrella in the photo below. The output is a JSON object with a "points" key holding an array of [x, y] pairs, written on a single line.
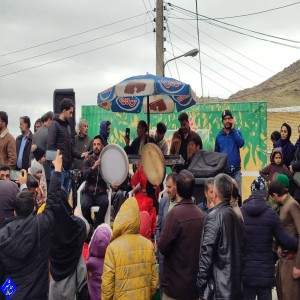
{"points": [[155, 94]]}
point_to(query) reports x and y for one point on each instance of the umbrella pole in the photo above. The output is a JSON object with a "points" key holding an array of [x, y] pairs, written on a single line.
{"points": [[148, 115]]}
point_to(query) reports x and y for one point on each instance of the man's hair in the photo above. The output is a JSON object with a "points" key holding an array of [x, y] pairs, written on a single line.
{"points": [[99, 137], [108, 123], [161, 128], [66, 104], [31, 182], [4, 168], [185, 183], [196, 139], [207, 182], [26, 120], [81, 122], [172, 176], [223, 184], [143, 124], [183, 117], [45, 117], [24, 204], [277, 188], [4, 117]]}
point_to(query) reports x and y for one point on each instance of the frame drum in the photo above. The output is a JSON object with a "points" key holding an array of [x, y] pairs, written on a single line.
{"points": [[114, 165], [153, 163]]}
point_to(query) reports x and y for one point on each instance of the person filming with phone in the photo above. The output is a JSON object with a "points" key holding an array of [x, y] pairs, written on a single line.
{"points": [[229, 141]]}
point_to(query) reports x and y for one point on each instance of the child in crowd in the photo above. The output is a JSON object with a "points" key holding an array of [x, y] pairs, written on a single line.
{"points": [[95, 261], [275, 167], [38, 172]]}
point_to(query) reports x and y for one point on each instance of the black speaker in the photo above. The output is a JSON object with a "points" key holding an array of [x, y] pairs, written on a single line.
{"points": [[60, 94]]}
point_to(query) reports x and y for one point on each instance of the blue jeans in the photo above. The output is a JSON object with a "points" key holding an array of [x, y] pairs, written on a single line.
{"points": [[65, 180], [237, 175]]}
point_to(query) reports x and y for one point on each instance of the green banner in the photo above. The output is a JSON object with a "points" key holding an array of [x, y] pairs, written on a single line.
{"points": [[250, 117]]}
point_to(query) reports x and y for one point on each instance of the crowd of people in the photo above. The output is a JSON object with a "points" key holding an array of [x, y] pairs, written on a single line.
{"points": [[184, 245]]}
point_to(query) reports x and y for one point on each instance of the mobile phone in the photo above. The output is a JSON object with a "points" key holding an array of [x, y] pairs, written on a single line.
{"points": [[14, 175], [127, 133], [50, 155]]}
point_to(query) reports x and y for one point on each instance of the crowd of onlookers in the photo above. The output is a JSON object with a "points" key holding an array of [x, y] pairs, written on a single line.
{"points": [[185, 245]]}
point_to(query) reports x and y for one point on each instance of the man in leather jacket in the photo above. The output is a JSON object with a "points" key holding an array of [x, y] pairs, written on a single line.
{"points": [[222, 247]]}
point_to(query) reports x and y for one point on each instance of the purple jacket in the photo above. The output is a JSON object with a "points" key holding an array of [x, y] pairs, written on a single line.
{"points": [[97, 248]]}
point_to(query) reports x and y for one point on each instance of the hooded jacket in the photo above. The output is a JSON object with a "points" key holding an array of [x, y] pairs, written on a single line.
{"points": [[97, 248], [103, 132], [60, 137], [24, 248], [271, 169], [262, 224], [130, 270]]}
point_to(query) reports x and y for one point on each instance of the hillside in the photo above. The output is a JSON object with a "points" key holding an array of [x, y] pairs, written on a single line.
{"points": [[281, 90]]}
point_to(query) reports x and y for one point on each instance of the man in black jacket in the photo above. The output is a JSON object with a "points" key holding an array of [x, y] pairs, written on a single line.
{"points": [[59, 137], [23, 144], [95, 187], [24, 241], [222, 247]]}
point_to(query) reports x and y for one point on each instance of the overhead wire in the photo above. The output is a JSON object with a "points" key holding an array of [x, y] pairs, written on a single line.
{"points": [[256, 13], [209, 68], [73, 35], [216, 60], [223, 44], [72, 46], [199, 48], [208, 20], [74, 55], [187, 32], [168, 29]]}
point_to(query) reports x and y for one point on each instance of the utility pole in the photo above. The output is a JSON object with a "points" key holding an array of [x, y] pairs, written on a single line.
{"points": [[159, 38]]}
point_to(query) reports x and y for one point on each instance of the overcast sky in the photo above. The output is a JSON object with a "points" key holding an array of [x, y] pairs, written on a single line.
{"points": [[230, 61]]}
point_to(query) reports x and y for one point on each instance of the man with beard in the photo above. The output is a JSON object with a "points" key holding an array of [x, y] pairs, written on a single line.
{"points": [[229, 141], [95, 187], [60, 137], [181, 137], [23, 144]]}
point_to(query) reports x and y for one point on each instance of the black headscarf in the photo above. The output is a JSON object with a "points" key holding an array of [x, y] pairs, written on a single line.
{"points": [[67, 239]]}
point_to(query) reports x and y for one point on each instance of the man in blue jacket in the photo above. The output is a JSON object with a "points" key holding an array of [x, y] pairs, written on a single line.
{"points": [[229, 141]]}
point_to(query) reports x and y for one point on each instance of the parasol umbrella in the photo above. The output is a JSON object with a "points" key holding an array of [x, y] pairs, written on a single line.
{"points": [[152, 93]]}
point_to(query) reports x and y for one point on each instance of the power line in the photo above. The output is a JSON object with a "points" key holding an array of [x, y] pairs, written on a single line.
{"points": [[215, 59], [72, 46], [64, 58], [172, 49], [255, 13], [199, 53], [70, 36], [206, 76], [218, 52], [228, 24], [248, 58], [214, 71]]}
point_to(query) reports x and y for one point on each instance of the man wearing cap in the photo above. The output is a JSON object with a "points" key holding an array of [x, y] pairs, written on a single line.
{"points": [[261, 224], [229, 141], [288, 267], [159, 137]]}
